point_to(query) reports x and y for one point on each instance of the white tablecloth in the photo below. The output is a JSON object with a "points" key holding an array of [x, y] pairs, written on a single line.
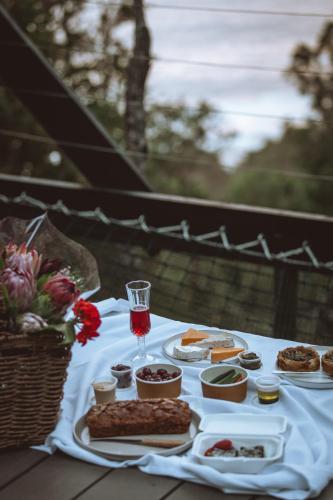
{"points": [[307, 465]]}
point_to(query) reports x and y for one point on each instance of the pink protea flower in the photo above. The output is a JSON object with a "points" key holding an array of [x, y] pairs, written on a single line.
{"points": [[50, 266], [21, 287], [21, 259], [62, 291]]}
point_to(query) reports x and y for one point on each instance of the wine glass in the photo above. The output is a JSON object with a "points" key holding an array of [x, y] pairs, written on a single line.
{"points": [[139, 296]]}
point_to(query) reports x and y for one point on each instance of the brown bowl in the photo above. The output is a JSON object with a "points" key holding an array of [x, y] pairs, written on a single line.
{"points": [[159, 389], [230, 392]]}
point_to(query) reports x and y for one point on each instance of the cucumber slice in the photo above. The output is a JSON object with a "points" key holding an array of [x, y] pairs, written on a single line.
{"points": [[222, 376]]}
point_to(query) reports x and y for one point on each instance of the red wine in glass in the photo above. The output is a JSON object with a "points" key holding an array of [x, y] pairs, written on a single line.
{"points": [[138, 293], [140, 320]]}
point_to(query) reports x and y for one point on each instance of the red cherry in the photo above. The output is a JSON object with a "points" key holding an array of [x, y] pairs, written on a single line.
{"points": [[224, 444]]}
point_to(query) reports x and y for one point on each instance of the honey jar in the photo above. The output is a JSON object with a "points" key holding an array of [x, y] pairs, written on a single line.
{"points": [[268, 389]]}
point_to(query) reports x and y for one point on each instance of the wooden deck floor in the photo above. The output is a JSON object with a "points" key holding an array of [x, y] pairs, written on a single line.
{"points": [[32, 475]]}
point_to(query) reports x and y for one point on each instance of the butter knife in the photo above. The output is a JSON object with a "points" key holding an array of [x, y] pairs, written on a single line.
{"points": [[157, 443]]}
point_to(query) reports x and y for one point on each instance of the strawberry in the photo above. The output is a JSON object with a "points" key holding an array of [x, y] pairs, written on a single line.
{"points": [[224, 444]]}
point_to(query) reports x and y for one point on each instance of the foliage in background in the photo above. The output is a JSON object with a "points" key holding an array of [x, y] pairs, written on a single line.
{"points": [[181, 161], [307, 150], [93, 61], [81, 42]]}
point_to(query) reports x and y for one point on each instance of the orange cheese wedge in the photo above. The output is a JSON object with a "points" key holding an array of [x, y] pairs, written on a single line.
{"points": [[192, 335], [220, 353]]}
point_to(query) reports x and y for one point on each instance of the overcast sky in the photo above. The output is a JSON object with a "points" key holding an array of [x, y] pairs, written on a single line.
{"points": [[244, 39]]}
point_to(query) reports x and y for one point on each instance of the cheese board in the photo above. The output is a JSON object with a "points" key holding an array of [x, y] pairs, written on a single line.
{"points": [[174, 344]]}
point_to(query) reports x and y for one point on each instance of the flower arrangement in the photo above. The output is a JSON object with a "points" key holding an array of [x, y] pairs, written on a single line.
{"points": [[36, 293]]}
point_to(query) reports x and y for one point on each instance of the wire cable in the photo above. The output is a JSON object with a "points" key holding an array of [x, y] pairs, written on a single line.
{"points": [[222, 10], [249, 114], [162, 157], [170, 60]]}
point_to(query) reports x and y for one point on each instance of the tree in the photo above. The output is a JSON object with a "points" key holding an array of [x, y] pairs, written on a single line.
{"points": [[137, 72], [305, 150], [180, 161], [95, 64], [312, 71]]}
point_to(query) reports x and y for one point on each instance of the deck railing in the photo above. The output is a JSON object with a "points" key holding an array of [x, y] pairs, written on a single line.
{"points": [[233, 266]]}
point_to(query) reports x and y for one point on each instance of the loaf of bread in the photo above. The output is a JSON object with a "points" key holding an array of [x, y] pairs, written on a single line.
{"points": [[146, 416]]}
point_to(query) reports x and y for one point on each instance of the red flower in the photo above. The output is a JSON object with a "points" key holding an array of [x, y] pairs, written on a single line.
{"points": [[87, 314], [86, 334]]}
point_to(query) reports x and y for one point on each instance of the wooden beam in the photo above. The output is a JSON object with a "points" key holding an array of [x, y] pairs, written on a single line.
{"points": [[60, 112], [283, 230]]}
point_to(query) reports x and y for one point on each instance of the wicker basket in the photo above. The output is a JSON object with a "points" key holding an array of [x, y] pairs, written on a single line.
{"points": [[32, 375]]}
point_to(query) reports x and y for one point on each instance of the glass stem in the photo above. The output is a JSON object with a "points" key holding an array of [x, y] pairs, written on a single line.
{"points": [[142, 346]]}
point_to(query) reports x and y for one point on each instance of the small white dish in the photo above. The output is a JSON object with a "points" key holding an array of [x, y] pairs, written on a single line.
{"points": [[248, 363], [273, 446], [243, 430]]}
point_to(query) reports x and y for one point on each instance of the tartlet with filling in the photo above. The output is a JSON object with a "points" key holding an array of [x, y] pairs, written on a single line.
{"points": [[299, 359], [327, 362]]}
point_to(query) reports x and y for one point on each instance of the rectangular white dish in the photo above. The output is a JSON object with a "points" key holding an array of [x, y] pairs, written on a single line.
{"points": [[273, 446], [242, 429]]}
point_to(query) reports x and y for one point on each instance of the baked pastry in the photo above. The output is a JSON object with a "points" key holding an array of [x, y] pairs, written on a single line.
{"points": [[298, 359], [327, 362], [133, 417]]}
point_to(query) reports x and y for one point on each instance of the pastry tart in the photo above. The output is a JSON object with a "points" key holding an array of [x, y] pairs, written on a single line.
{"points": [[327, 362], [298, 359]]}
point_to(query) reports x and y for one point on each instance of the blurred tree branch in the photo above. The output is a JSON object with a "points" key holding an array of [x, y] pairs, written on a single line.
{"points": [[137, 71]]}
